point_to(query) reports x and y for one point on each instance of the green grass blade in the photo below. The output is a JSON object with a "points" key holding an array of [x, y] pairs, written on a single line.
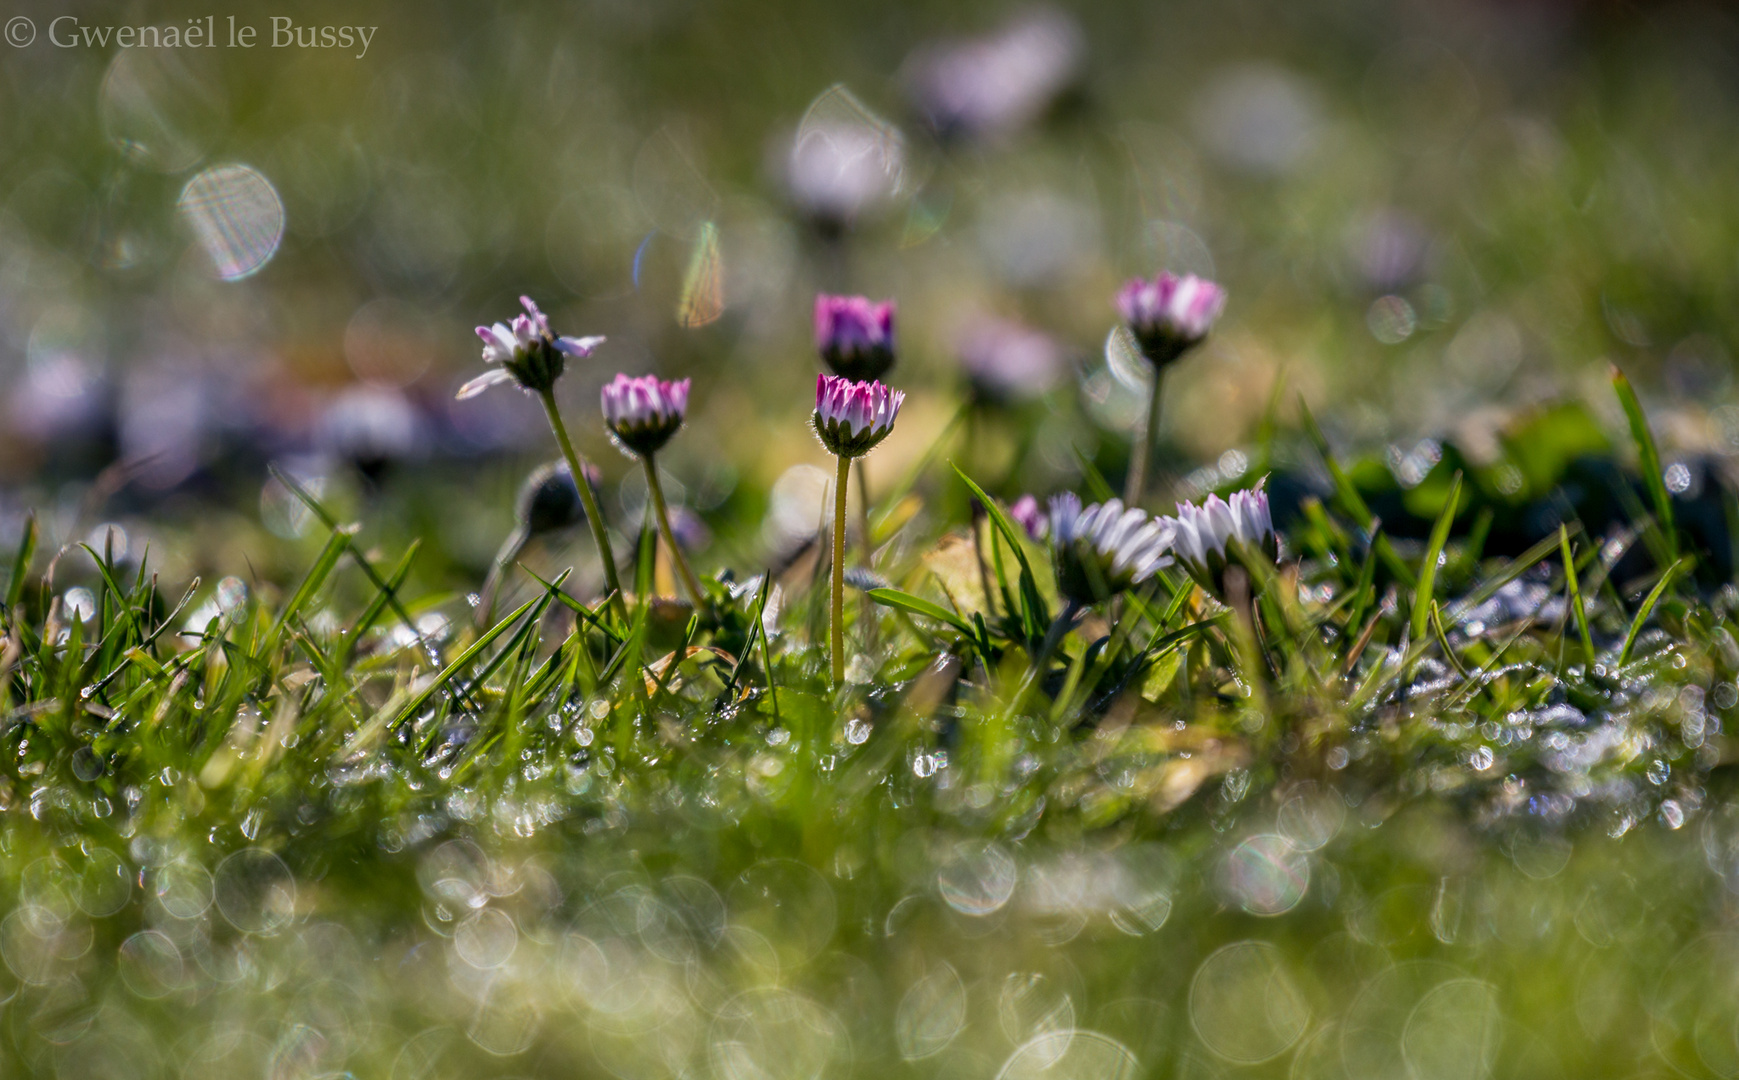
{"points": [[610, 637], [1352, 503], [1647, 609], [766, 649], [917, 605], [306, 498], [1037, 611], [1518, 566], [1095, 480], [646, 562], [336, 545], [1365, 585], [1648, 457], [1422, 594], [21, 562], [1575, 587], [464, 659], [395, 580]]}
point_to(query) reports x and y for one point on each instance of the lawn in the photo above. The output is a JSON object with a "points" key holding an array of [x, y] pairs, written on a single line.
{"points": [[845, 720]]}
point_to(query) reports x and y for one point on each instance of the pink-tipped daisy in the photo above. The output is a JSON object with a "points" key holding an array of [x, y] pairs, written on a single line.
{"points": [[1169, 314], [527, 352], [852, 417], [644, 413]]}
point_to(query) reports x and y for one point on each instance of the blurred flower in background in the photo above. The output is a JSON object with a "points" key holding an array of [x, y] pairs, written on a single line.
{"points": [[212, 259], [844, 161], [993, 85], [855, 336], [371, 427], [1007, 362]]}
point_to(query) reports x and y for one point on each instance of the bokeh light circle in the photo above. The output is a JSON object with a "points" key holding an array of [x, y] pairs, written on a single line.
{"points": [[1071, 1055], [1265, 875], [236, 215], [1244, 1004]]}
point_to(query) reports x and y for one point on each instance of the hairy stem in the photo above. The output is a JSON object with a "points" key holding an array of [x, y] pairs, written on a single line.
{"points": [[836, 624], [593, 515], [677, 558], [1136, 486]]}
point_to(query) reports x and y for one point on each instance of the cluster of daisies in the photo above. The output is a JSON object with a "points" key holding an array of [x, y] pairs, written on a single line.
{"points": [[1098, 550], [1103, 549]]}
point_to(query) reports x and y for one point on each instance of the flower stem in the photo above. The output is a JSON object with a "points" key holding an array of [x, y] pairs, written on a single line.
{"points": [[1054, 636], [677, 558], [836, 625], [1136, 486], [593, 515]]}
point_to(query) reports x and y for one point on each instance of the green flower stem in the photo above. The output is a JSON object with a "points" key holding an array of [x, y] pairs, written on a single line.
{"points": [[677, 558], [593, 515], [1136, 487], [836, 625]]}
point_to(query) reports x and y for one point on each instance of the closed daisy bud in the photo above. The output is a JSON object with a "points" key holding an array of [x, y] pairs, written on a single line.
{"points": [[1208, 537], [526, 352], [644, 413], [852, 417], [855, 335], [1103, 549], [1169, 314]]}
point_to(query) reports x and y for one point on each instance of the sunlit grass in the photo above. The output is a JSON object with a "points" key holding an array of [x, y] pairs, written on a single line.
{"points": [[1386, 805]]}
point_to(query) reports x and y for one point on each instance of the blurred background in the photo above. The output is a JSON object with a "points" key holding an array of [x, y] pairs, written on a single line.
{"points": [[1431, 216]]}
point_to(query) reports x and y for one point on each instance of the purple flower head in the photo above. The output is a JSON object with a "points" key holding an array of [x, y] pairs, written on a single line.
{"points": [[1169, 314], [995, 84], [1103, 549], [644, 413], [1026, 513], [855, 335], [1209, 537], [526, 352], [852, 417], [844, 161], [1006, 362]]}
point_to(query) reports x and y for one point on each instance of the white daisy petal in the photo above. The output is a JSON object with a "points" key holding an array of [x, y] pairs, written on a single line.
{"points": [[483, 382]]}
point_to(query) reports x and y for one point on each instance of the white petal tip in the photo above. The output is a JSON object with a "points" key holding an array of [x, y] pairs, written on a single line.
{"points": [[481, 383]]}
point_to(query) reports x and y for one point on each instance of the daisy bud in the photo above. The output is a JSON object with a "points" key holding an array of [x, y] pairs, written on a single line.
{"points": [[1026, 513], [1103, 549], [526, 352], [1169, 314], [1207, 537], [852, 417], [855, 335], [644, 413]]}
